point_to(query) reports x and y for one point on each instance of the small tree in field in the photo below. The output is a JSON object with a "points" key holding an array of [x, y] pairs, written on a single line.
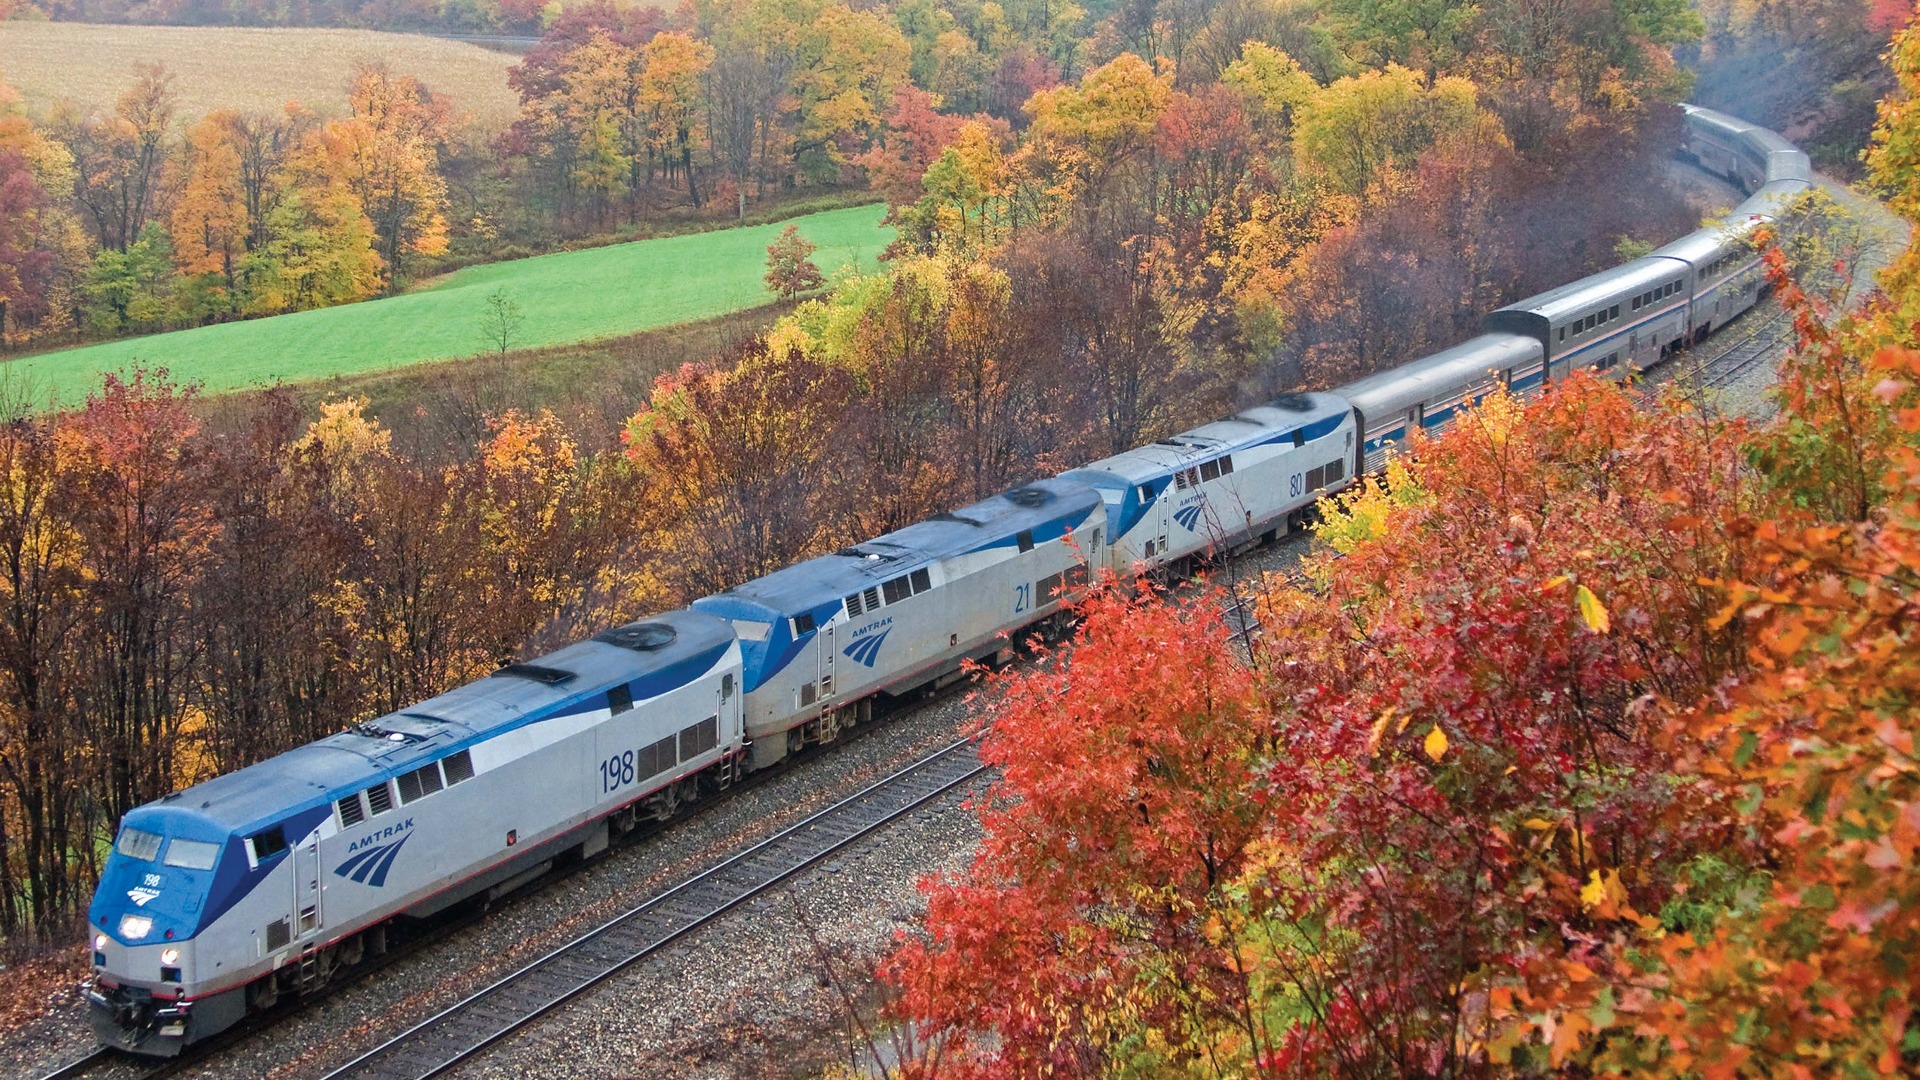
{"points": [[500, 323], [790, 269]]}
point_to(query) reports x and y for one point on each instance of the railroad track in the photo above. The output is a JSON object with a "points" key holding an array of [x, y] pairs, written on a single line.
{"points": [[81, 1066], [1762, 342], [458, 1033], [130, 1067]]}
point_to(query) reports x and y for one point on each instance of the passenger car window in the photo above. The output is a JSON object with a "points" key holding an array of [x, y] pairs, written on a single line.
{"points": [[191, 854]]}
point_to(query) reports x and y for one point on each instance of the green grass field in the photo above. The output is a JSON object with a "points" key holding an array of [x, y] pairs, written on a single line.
{"points": [[568, 297]]}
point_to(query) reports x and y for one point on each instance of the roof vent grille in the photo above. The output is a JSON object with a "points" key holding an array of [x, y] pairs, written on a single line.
{"points": [[1293, 402], [373, 730], [1029, 496], [546, 676], [641, 637]]}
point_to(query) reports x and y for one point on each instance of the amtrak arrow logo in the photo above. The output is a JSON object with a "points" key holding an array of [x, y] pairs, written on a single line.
{"points": [[369, 866], [1189, 516], [867, 649], [141, 896]]}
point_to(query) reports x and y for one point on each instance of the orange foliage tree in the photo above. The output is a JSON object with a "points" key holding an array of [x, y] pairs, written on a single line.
{"points": [[1112, 836]]}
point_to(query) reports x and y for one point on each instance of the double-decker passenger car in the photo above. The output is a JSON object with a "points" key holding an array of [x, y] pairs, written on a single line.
{"points": [[1427, 395]]}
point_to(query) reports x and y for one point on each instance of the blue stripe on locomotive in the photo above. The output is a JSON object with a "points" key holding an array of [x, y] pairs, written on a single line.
{"points": [[1131, 506], [1042, 533], [819, 586], [761, 660]]}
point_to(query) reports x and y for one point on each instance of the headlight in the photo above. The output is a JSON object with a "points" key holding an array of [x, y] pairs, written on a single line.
{"points": [[99, 943], [135, 927], [170, 957]]}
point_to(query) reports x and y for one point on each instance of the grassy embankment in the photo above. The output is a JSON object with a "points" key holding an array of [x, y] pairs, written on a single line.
{"points": [[566, 298], [247, 69]]}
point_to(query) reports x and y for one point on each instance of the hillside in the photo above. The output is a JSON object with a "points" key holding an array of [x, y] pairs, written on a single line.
{"points": [[568, 297], [246, 69]]}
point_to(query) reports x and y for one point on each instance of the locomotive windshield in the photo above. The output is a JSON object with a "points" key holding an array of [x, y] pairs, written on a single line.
{"points": [[192, 854], [135, 844]]}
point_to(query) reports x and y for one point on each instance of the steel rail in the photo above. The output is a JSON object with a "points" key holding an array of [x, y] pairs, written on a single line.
{"points": [[459, 1032], [81, 1066]]}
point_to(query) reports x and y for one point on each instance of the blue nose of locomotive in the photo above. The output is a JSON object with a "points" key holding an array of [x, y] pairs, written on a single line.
{"points": [[156, 883]]}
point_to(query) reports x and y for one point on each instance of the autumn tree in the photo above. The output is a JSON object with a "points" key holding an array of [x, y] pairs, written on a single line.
{"points": [[731, 461], [319, 251], [28, 256], [212, 227], [1113, 836], [122, 158], [790, 268], [144, 528], [385, 154], [914, 135], [1358, 128], [847, 66], [669, 99], [598, 103], [43, 759]]}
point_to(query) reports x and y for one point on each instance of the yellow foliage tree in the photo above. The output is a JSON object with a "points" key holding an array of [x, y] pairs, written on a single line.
{"points": [[1356, 130], [210, 220]]}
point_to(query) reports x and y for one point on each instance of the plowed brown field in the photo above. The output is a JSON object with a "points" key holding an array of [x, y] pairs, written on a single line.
{"points": [[88, 65]]}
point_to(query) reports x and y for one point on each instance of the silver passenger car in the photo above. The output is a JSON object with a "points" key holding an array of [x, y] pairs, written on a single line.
{"points": [[1430, 393]]}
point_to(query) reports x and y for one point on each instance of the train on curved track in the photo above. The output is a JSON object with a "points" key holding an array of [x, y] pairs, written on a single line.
{"points": [[218, 900]]}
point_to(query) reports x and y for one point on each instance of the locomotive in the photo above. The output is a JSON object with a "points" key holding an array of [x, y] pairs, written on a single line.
{"points": [[218, 899]]}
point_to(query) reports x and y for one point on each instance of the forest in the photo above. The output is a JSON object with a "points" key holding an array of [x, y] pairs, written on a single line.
{"points": [[1583, 745], [633, 120], [637, 120]]}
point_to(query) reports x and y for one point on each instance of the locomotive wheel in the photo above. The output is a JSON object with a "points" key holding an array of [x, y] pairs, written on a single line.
{"points": [[263, 994]]}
